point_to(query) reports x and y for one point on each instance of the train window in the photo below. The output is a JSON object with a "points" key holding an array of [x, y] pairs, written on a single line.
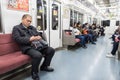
{"points": [[108, 23], [89, 20], [71, 18], [94, 21], [80, 18], [105, 23], [54, 16], [41, 15], [117, 23], [75, 16]]}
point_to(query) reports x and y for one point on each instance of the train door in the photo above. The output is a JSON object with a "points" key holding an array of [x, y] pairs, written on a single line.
{"points": [[42, 17], [49, 21], [55, 24]]}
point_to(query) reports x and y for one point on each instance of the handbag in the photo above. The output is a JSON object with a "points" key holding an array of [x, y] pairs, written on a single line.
{"points": [[39, 44]]}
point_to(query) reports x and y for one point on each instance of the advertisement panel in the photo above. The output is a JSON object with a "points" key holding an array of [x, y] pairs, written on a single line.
{"points": [[22, 5]]}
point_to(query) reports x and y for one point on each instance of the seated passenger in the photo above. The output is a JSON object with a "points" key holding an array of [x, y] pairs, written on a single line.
{"points": [[79, 36], [24, 34], [102, 31], [98, 30], [79, 27], [86, 32], [92, 31]]}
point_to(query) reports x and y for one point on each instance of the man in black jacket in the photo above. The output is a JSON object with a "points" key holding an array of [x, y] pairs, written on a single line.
{"points": [[24, 34]]}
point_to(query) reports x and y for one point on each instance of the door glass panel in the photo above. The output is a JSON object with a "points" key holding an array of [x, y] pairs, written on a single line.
{"points": [[41, 15], [45, 14], [54, 16]]}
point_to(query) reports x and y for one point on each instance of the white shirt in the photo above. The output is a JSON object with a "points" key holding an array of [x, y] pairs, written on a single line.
{"points": [[76, 31]]}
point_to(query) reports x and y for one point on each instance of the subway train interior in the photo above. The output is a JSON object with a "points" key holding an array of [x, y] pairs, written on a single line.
{"points": [[85, 35]]}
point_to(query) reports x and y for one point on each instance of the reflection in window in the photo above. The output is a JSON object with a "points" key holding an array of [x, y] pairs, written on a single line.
{"points": [[41, 15], [54, 16]]}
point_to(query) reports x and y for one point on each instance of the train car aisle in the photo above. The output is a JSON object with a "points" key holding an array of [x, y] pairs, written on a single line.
{"points": [[82, 64]]}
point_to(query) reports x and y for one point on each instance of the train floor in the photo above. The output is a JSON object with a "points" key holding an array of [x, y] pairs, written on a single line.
{"points": [[82, 64]]}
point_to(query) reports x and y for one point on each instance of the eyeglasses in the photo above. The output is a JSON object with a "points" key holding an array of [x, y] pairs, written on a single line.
{"points": [[29, 21]]}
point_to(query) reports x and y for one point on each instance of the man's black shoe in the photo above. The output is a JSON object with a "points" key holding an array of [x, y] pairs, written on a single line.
{"points": [[93, 43], [36, 79], [48, 69], [35, 76], [84, 46]]}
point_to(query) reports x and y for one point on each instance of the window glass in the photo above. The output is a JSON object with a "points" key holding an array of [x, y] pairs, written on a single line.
{"points": [[80, 18], [41, 15], [117, 23], [94, 20], [54, 16], [71, 18], [75, 16], [89, 20]]}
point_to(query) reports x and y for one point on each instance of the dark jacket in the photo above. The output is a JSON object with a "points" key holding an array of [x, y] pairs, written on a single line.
{"points": [[22, 36]]}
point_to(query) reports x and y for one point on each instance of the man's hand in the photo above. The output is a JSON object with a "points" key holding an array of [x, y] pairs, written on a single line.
{"points": [[38, 37], [35, 38]]}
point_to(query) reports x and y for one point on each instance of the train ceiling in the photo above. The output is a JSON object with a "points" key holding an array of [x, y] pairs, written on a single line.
{"points": [[111, 8], [107, 3]]}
